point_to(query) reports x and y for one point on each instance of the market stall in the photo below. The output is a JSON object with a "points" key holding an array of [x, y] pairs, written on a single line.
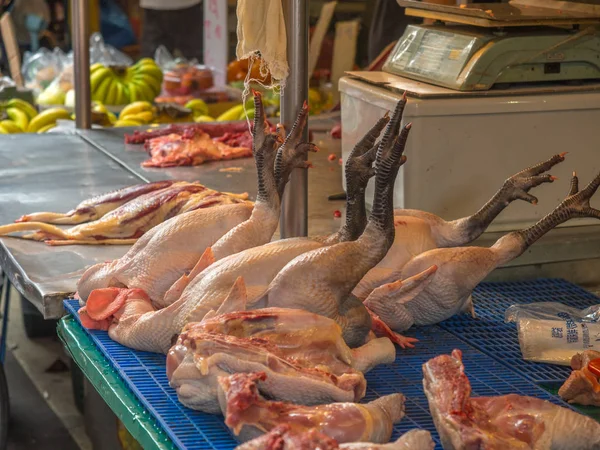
{"points": [[257, 328]]}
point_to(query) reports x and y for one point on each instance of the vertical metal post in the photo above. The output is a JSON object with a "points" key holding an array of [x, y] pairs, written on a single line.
{"points": [[80, 33], [294, 209]]}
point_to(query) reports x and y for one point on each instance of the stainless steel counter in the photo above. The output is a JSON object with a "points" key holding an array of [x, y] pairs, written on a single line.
{"points": [[51, 172], [54, 172]]}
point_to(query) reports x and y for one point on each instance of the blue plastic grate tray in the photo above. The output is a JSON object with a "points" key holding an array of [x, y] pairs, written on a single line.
{"points": [[488, 332], [145, 375]]}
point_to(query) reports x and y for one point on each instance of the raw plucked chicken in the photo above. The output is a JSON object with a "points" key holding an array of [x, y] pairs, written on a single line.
{"points": [[499, 423], [96, 207], [419, 231], [125, 224], [164, 254], [303, 354], [249, 415], [283, 437], [322, 280], [583, 385], [449, 275], [207, 286]]}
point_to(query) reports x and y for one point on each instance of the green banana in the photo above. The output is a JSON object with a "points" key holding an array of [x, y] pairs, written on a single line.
{"points": [[18, 117], [111, 96], [24, 106], [98, 77], [231, 114], [144, 90], [152, 83], [101, 92]]}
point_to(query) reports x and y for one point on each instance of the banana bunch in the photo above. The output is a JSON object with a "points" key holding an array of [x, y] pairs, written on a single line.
{"points": [[15, 116], [238, 112], [46, 120], [119, 85], [135, 114]]}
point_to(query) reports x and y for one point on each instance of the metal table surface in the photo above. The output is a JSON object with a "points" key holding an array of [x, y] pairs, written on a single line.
{"points": [[54, 172], [51, 172]]}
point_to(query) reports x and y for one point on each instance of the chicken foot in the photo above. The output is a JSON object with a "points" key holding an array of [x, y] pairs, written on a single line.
{"points": [[442, 292]]}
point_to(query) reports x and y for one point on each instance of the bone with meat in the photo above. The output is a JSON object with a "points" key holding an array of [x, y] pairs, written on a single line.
{"points": [[322, 280], [283, 437], [127, 223], [249, 415], [96, 207], [207, 286], [198, 359], [176, 246], [583, 385], [499, 423], [419, 231], [449, 275]]}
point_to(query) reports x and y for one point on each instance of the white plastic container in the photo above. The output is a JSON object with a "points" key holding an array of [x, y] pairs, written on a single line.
{"points": [[460, 150]]}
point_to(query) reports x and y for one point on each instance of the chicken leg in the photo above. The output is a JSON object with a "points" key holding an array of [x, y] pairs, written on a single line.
{"points": [[322, 280], [419, 231], [449, 275], [249, 415]]}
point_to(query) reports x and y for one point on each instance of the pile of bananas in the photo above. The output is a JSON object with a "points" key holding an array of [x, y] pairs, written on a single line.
{"points": [[15, 115], [119, 85], [46, 120]]}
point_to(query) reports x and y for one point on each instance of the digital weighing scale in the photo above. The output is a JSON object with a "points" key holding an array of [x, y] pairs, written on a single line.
{"points": [[493, 88]]}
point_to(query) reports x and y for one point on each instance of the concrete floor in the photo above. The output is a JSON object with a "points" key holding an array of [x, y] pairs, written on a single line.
{"points": [[36, 358]]}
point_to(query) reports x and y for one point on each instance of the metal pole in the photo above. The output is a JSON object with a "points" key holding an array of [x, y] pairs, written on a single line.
{"points": [[80, 33], [294, 209]]}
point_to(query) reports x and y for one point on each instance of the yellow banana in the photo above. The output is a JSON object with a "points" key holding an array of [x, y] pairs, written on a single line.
{"points": [[3, 130], [101, 92], [150, 70], [18, 117], [231, 114], [94, 67], [46, 128], [111, 118], [10, 126], [144, 61], [111, 96], [24, 106], [144, 117], [127, 123], [136, 107], [203, 119], [198, 106], [98, 77], [46, 118]]}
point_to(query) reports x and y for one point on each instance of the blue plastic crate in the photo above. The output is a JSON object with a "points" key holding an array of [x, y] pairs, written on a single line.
{"points": [[488, 332], [145, 375]]}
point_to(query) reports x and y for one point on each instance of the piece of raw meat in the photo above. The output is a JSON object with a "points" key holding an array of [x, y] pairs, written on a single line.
{"points": [[198, 359], [177, 150], [322, 280], [451, 274], [127, 223], [249, 415], [214, 130], [283, 437], [420, 231], [583, 385], [96, 207], [499, 423]]}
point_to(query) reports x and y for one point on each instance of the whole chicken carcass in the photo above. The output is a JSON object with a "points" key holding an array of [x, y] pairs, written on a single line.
{"points": [[449, 275], [162, 256], [322, 280], [207, 286], [419, 231], [127, 223], [499, 423], [283, 437], [249, 415], [583, 385], [96, 207]]}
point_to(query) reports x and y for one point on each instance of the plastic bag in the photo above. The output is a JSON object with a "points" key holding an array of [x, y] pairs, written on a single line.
{"points": [[552, 332], [41, 68], [105, 54]]}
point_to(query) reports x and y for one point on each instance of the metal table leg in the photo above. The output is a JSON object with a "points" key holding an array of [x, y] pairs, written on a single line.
{"points": [[4, 400]]}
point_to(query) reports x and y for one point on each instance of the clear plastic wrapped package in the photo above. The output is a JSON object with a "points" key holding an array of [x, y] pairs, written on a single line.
{"points": [[552, 332]]}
